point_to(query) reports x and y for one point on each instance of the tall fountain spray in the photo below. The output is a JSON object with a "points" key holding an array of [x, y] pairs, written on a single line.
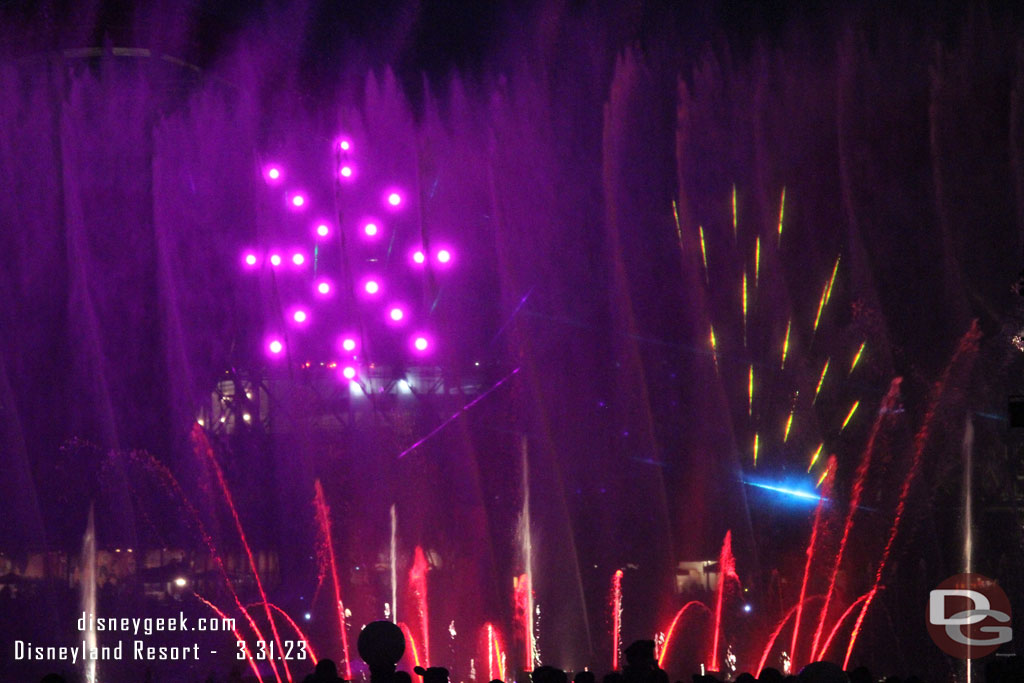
{"points": [[968, 460], [393, 557], [526, 539], [88, 584]]}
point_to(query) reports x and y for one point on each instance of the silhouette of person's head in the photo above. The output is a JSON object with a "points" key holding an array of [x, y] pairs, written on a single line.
{"points": [[822, 672], [640, 655], [861, 675], [746, 677], [53, 678], [584, 677], [548, 674], [497, 680], [401, 677], [381, 644], [435, 674]]}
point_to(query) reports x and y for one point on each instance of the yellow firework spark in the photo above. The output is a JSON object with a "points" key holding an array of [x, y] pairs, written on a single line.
{"points": [[714, 346], [789, 424], [756, 440], [821, 307], [815, 455], [750, 392], [744, 308], [831, 281], [785, 343], [734, 221], [849, 415], [782, 210], [757, 261], [856, 358], [821, 479], [703, 251], [821, 380]]}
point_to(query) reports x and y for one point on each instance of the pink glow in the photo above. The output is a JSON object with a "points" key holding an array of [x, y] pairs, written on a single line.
{"points": [[345, 145], [323, 230], [272, 173], [298, 259], [348, 344], [275, 260], [299, 316], [394, 199], [371, 287], [421, 344], [346, 171], [396, 314], [275, 346], [370, 229], [444, 256], [323, 287], [419, 257], [250, 259], [349, 373], [298, 201]]}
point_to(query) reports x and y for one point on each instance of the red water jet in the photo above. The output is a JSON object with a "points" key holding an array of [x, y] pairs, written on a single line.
{"points": [[418, 586], [672, 628], [238, 636], [616, 617], [522, 594], [778, 629], [825, 495], [726, 570], [323, 516], [965, 353], [495, 654], [203, 445], [886, 409]]}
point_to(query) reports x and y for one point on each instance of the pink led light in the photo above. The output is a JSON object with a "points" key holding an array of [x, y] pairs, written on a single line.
{"points": [[370, 229], [421, 343], [275, 346], [396, 314], [346, 171], [372, 287], [275, 260], [444, 256], [323, 287], [345, 145], [298, 201], [274, 174], [349, 372], [394, 199], [322, 230], [298, 259], [299, 316], [348, 344], [419, 257], [250, 260]]}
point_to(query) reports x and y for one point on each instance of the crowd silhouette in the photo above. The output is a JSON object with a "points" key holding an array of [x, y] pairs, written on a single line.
{"points": [[382, 644]]}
